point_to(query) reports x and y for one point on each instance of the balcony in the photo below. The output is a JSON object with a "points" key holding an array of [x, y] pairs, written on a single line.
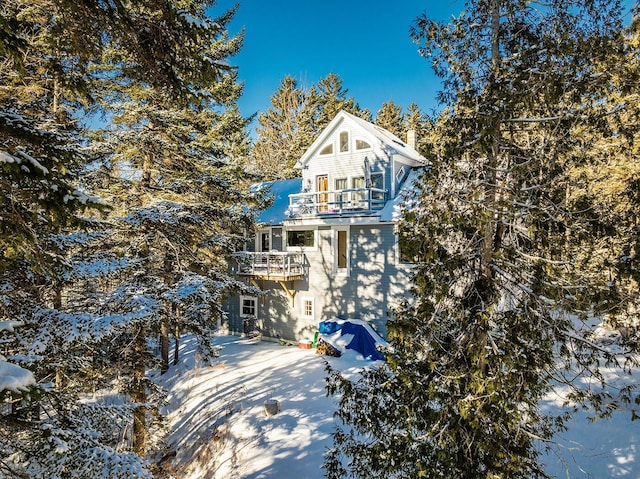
{"points": [[272, 265], [353, 201]]}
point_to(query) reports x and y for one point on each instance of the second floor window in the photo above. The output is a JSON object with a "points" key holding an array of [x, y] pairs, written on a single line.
{"points": [[341, 184], [357, 182], [377, 181], [358, 196]]}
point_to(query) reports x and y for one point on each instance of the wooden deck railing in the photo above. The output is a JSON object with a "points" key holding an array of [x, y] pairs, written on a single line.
{"points": [[271, 265], [338, 202]]}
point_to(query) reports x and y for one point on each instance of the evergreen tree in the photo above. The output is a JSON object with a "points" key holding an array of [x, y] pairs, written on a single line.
{"points": [[390, 117], [282, 133], [608, 187], [330, 98], [178, 215], [297, 116], [422, 125], [49, 51], [496, 291]]}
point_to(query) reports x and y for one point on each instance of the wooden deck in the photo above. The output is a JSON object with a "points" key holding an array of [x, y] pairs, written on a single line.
{"points": [[272, 265]]}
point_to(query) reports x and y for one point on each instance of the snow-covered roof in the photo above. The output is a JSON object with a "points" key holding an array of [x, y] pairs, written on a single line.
{"points": [[392, 210], [387, 138], [279, 191]]}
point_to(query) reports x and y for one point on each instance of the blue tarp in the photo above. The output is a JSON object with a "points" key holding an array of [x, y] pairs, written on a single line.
{"points": [[364, 338]]}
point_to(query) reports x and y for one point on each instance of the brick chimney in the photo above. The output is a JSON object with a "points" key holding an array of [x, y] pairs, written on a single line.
{"points": [[411, 138]]}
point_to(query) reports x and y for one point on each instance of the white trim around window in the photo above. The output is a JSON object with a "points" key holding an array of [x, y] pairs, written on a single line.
{"points": [[300, 247], [341, 250], [248, 306], [361, 144], [344, 142], [400, 174], [326, 150], [308, 308]]}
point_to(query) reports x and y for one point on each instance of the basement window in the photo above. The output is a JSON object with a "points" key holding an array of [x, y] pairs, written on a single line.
{"points": [[308, 308], [248, 306]]}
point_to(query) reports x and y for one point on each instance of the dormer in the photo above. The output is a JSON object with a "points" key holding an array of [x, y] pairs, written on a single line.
{"points": [[353, 167], [348, 138]]}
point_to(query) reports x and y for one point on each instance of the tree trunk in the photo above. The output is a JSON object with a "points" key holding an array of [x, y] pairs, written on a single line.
{"points": [[164, 340], [147, 163], [59, 378], [139, 430], [139, 394], [57, 305], [176, 335], [165, 319], [145, 179], [491, 241]]}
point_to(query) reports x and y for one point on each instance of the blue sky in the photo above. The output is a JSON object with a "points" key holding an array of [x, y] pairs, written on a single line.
{"points": [[364, 42]]}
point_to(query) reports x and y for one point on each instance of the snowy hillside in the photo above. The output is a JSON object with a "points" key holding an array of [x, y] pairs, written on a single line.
{"points": [[221, 430]]}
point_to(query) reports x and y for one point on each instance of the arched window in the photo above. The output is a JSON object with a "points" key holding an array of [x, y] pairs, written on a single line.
{"points": [[362, 145], [327, 149]]}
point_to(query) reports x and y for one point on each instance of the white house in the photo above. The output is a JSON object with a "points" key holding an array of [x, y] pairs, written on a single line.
{"points": [[327, 246]]}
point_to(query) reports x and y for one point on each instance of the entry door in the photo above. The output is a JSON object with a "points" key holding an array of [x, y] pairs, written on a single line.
{"points": [[322, 183]]}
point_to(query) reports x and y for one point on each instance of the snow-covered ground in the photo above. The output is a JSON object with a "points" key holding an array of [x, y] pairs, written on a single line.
{"points": [[221, 430]]}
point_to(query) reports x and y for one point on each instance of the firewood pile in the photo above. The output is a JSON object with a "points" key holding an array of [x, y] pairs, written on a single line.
{"points": [[325, 349]]}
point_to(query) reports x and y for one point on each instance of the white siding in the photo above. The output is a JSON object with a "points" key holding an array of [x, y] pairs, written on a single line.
{"points": [[347, 165], [375, 284]]}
